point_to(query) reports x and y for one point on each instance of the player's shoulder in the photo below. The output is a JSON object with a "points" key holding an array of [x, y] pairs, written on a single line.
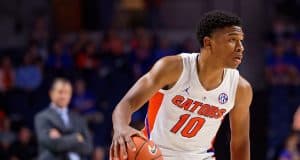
{"points": [[244, 87], [168, 60], [170, 63], [243, 83]]}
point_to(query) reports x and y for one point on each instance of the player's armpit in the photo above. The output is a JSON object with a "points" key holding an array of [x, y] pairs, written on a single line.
{"points": [[240, 122], [166, 71]]}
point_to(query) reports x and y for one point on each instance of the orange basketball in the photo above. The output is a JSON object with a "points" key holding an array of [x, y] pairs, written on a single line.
{"points": [[145, 150]]}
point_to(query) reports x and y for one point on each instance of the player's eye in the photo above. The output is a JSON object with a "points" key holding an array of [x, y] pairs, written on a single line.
{"points": [[232, 40]]}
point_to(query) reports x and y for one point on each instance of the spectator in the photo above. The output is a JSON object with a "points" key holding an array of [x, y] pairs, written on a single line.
{"points": [[99, 153], [60, 58], [142, 57], [278, 66], [88, 58], [84, 102], [6, 134], [164, 49], [187, 46], [291, 149], [62, 134], [153, 13], [24, 148], [279, 75], [7, 74], [40, 36], [7, 137], [78, 46], [29, 74]]}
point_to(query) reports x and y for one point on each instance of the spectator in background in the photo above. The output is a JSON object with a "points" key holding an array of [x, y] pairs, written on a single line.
{"points": [[60, 58], [40, 36], [7, 137], [88, 58], [62, 134], [278, 66], [163, 49], [34, 52], [99, 153], [153, 13], [7, 74], [29, 74], [114, 56], [278, 74], [294, 90], [291, 148], [296, 65], [187, 46], [138, 34], [142, 58], [84, 102], [79, 44], [24, 148]]}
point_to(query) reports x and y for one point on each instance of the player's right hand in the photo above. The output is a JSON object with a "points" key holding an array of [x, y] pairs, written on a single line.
{"points": [[121, 139]]}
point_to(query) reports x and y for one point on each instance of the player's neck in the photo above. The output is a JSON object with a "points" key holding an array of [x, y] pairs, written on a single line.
{"points": [[210, 73]]}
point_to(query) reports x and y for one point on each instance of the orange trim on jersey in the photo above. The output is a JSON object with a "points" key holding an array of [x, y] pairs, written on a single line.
{"points": [[154, 105]]}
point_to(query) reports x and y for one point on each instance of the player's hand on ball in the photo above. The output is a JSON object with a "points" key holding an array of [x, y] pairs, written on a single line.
{"points": [[121, 138]]}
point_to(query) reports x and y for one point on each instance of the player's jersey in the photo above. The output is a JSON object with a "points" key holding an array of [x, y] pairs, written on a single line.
{"points": [[184, 119]]}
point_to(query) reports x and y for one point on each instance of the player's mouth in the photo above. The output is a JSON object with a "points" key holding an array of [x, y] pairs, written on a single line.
{"points": [[238, 59]]}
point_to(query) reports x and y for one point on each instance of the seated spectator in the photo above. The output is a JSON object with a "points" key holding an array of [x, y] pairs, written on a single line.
{"points": [[60, 58], [99, 153], [87, 59], [29, 74], [296, 65], [7, 137], [7, 74], [24, 148], [278, 66], [84, 102], [187, 46], [164, 49], [82, 39], [142, 58], [291, 150], [6, 134]]}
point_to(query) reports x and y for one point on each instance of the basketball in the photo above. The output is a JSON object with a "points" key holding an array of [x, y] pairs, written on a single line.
{"points": [[145, 150]]}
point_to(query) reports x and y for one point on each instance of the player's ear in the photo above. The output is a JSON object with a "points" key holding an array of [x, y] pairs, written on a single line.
{"points": [[206, 42]]}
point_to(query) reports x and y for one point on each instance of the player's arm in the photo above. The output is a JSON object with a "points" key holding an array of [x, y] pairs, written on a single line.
{"points": [[240, 122], [165, 72]]}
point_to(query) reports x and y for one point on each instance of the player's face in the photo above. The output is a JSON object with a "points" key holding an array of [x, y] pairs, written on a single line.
{"points": [[61, 94], [227, 46]]}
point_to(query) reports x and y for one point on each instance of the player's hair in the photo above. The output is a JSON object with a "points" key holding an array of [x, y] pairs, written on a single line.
{"points": [[215, 20], [59, 80]]}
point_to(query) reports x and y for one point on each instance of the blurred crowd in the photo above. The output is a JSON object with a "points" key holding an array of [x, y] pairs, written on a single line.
{"points": [[101, 69], [282, 73]]}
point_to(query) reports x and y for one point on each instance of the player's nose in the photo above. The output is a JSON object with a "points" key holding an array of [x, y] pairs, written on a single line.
{"points": [[239, 47]]}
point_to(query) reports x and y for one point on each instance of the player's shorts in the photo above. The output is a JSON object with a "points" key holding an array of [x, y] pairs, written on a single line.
{"points": [[173, 155]]}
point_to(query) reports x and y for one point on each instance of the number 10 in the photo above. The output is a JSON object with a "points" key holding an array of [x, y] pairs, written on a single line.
{"points": [[191, 128]]}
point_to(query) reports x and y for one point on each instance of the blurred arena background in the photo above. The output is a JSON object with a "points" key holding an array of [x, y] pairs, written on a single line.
{"points": [[104, 46]]}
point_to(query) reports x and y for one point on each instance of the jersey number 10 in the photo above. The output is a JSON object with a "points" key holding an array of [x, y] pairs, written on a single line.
{"points": [[190, 128]]}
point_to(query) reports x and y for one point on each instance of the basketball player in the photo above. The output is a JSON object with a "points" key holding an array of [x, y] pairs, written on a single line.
{"points": [[189, 95]]}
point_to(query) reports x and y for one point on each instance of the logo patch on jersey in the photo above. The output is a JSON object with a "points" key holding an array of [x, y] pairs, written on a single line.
{"points": [[187, 90], [151, 149], [223, 98]]}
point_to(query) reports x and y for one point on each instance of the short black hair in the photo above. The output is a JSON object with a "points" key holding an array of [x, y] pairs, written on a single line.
{"points": [[215, 20]]}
